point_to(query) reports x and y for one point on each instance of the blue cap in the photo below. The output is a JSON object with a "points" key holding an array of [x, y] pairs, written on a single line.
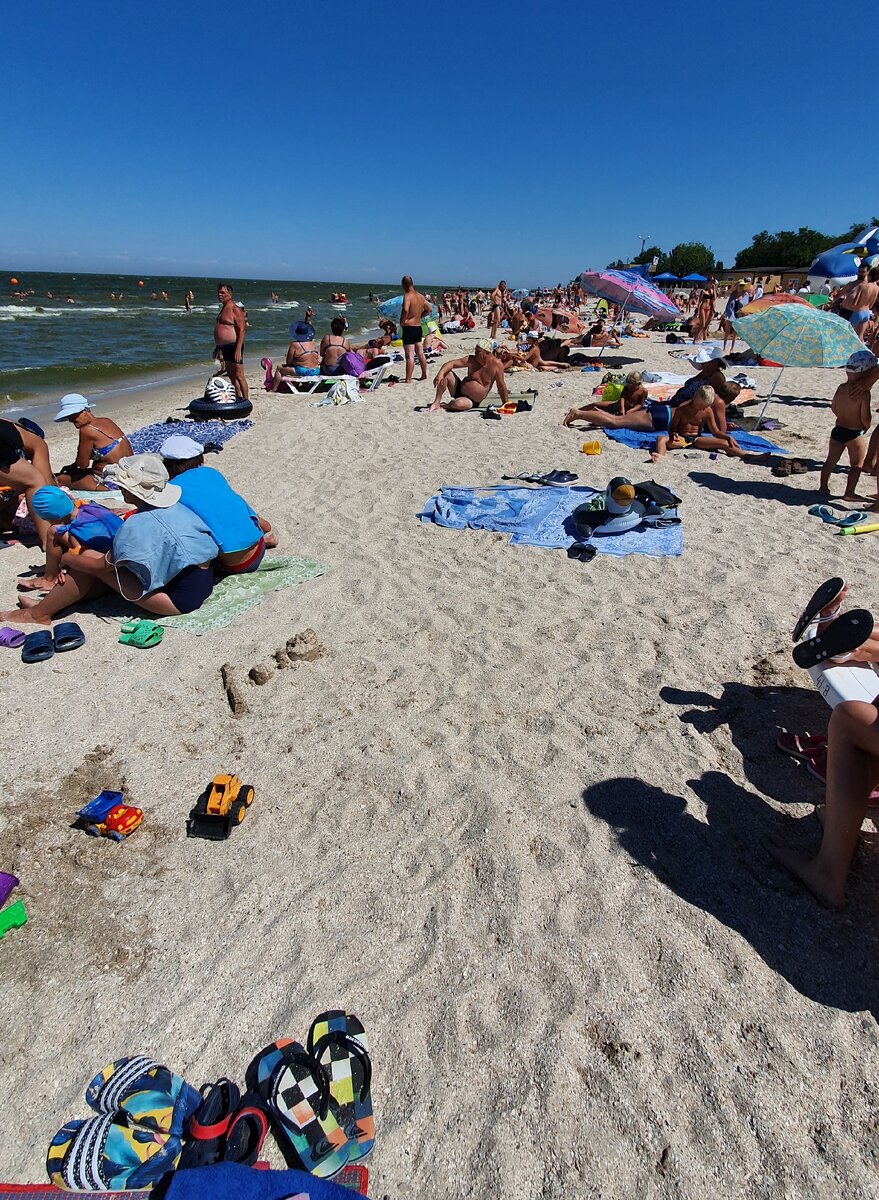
{"points": [[51, 504]]}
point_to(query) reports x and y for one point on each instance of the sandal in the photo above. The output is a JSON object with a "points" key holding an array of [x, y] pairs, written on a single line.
{"points": [[802, 746], [210, 1123], [11, 637], [109, 1154], [841, 636], [826, 594], [247, 1131], [782, 468], [37, 647], [798, 468], [68, 636], [296, 1092], [142, 634], [582, 551], [337, 1040]]}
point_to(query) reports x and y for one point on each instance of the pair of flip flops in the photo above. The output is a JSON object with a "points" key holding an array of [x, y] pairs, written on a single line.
{"points": [[791, 466], [318, 1095], [547, 479], [39, 646], [226, 1127], [829, 517], [135, 1139], [581, 551], [837, 635], [142, 634]]}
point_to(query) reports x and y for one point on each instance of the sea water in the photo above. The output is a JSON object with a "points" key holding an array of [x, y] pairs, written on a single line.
{"points": [[102, 346]]}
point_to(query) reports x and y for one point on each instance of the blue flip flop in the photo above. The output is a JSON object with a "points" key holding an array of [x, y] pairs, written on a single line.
{"points": [[68, 636], [38, 646], [829, 517]]}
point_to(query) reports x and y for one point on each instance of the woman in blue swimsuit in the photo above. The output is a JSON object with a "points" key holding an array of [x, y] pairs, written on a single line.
{"points": [[101, 442]]}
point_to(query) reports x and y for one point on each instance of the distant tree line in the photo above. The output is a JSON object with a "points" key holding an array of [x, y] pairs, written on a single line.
{"points": [[687, 258], [794, 249]]}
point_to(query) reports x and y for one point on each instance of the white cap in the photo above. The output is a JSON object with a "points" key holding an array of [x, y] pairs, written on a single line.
{"points": [[179, 447]]}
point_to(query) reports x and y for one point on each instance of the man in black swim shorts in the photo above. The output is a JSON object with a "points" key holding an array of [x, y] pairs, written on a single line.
{"points": [[414, 309]]}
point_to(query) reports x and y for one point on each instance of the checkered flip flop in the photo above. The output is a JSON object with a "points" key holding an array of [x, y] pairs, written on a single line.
{"points": [[296, 1091], [337, 1040]]}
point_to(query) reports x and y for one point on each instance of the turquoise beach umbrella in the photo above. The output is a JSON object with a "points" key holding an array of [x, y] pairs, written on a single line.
{"points": [[798, 335]]}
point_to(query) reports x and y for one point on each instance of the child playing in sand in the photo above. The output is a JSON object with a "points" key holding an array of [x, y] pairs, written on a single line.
{"points": [[75, 525], [689, 422], [851, 407]]}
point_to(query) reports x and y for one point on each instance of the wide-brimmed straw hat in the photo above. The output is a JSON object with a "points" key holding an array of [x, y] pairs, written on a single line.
{"points": [[145, 476]]}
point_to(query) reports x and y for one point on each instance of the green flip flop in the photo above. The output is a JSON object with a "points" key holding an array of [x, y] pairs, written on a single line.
{"points": [[142, 634]]}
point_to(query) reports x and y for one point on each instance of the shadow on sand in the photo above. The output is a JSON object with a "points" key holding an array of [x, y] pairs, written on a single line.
{"points": [[721, 866], [762, 489]]}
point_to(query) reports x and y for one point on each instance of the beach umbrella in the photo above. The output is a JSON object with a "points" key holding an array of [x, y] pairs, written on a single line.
{"points": [[520, 293], [694, 278], [770, 301], [666, 275], [630, 291], [817, 300], [393, 308], [798, 335]]}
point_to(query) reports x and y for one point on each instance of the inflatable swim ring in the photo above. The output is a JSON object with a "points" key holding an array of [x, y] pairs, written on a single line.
{"points": [[220, 410]]}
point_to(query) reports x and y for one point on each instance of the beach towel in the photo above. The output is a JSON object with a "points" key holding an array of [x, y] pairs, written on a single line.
{"points": [[149, 439], [231, 1181], [541, 516], [14, 1191], [232, 596], [637, 439]]}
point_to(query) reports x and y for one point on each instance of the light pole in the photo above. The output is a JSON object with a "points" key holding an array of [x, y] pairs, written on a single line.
{"points": [[643, 244]]}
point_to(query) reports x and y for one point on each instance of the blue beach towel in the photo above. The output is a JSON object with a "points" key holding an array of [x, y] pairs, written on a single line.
{"points": [[232, 1181], [541, 517], [639, 440], [150, 438]]}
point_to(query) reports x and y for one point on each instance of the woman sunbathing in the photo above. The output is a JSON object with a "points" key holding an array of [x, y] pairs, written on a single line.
{"points": [[101, 442]]}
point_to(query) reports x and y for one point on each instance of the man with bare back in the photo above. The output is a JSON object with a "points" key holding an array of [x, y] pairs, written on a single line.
{"points": [[229, 330], [415, 309], [483, 372], [496, 310]]}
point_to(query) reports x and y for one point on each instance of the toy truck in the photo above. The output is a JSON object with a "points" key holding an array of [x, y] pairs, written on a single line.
{"points": [[107, 816], [221, 806]]}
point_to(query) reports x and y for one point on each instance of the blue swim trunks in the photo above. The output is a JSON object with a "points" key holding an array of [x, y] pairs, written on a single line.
{"points": [[660, 415], [307, 370]]}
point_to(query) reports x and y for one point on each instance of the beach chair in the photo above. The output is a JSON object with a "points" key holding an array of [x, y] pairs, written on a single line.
{"points": [[305, 385]]}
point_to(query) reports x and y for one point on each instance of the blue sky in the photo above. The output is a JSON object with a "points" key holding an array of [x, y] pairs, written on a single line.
{"points": [[457, 142]]}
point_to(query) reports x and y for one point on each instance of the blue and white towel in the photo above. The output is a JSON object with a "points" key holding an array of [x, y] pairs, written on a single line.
{"points": [[751, 443], [149, 439]]}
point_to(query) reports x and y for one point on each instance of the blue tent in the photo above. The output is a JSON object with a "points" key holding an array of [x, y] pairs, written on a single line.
{"points": [[665, 275], [694, 278]]}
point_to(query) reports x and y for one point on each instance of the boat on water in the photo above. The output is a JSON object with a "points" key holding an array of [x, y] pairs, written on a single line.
{"points": [[338, 300]]}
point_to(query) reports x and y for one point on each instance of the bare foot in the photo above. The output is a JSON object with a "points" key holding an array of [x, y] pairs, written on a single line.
{"points": [[271, 540], [807, 871], [29, 601], [23, 616], [825, 492], [40, 583]]}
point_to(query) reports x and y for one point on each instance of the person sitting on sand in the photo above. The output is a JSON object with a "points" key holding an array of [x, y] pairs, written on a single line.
{"points": [[533, 356], [160, 559], [852, 753], [25, 467], [332, 346], [851, 407], [241, 534], [75, 525], [634, 394], [303, 357], [597, 336], [693, 423], [101, 442], [483, 372], [631, 332]]}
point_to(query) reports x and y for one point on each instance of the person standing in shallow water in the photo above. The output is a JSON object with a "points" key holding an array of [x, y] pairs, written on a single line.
{"points": [[229, 330]]}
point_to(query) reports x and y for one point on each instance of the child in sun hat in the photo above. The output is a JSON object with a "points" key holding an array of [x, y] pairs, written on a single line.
{"points": [[75, 525], [851, 407]]}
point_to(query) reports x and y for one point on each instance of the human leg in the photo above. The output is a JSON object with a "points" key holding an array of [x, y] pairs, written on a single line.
{"points": [[852, 771], [75, 587], [422, 360], [857, 451], [409, 355], [834, 453], [24, 478]]}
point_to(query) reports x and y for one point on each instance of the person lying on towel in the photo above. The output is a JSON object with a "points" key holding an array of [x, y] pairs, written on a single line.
{"points": [[484, 371]]}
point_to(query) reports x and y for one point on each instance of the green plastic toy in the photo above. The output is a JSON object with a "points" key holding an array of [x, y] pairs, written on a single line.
{"points": [[12, 917]]}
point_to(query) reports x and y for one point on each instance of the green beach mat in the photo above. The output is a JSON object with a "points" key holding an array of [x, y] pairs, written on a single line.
{"points": [[233, 595]]}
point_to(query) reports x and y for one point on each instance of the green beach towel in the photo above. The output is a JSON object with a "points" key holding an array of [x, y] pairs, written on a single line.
{"points": [[232, 595]]}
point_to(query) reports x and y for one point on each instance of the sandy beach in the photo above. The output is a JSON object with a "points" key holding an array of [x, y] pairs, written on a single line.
{"points": [[513, 815]]}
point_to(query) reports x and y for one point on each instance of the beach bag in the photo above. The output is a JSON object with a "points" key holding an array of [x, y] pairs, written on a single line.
{"points": [[344, 391], [351, 364], [612, 392]]}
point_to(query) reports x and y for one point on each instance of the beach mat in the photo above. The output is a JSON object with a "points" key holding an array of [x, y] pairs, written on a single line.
{"points": [[637, 439], [232, 1181], [542, 516], [149, 439], [232, 596]]}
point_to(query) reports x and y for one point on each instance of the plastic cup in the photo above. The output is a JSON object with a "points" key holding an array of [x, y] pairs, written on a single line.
{"points": [[592, 447]]}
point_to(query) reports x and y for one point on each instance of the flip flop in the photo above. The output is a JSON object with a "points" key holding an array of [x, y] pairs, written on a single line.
{"points": [[296, 1092], [829, 517], [841, 636], [37, 647], [106, 1153], [782, 468], [802, 746], [247, 1131], [337, 1040], [582, 551], [824, 595], [11, 637], [142, 634], [210, 1123], [798, 468], [149, 1094], [68, 636]]}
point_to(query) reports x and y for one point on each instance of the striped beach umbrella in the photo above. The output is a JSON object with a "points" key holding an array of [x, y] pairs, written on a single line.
{"points": [[798, 335], [632, 292], [770, 301]]}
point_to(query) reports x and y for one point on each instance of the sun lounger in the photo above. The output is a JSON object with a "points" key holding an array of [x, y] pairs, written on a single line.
{"points": [[305, 385]]}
